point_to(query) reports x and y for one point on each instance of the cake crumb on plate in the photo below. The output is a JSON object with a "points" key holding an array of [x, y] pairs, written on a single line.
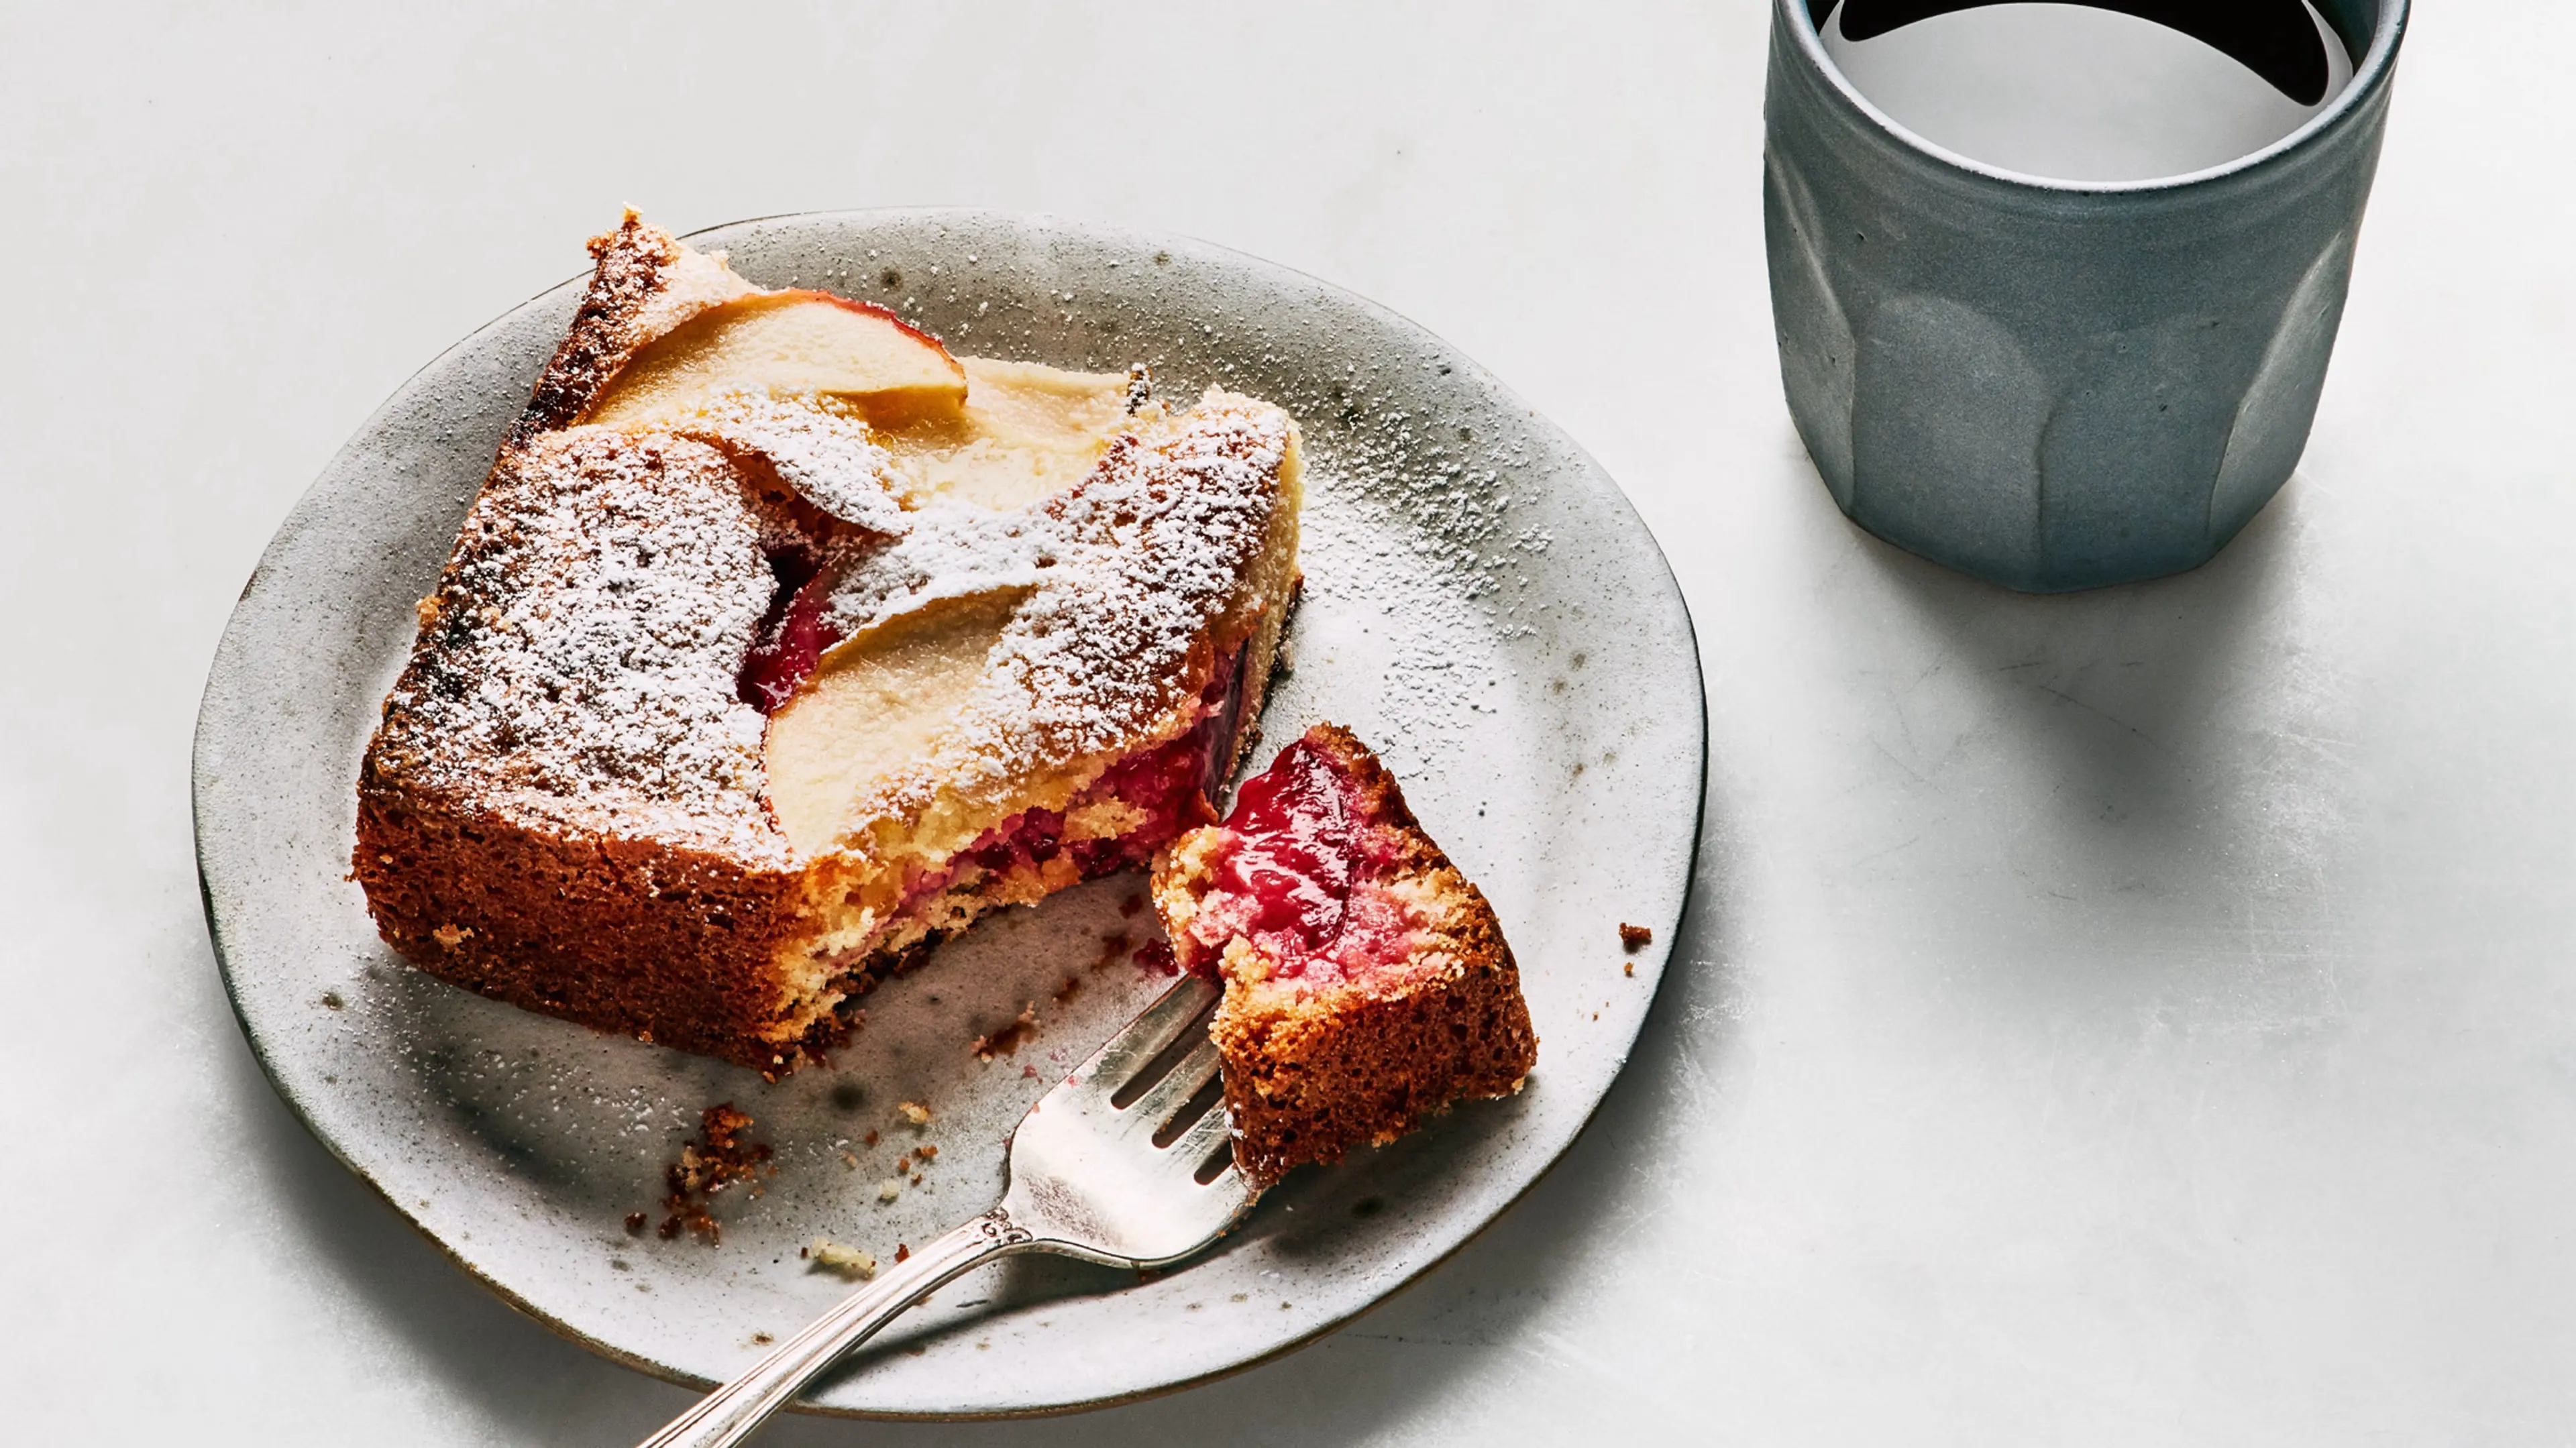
{"points": [[831, 1256]]}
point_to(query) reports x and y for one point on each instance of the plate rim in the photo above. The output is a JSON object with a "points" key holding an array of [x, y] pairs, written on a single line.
{"points": [[227, 661]]}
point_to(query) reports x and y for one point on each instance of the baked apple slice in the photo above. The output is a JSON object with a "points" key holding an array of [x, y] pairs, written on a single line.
{"points": [[787, 343]]}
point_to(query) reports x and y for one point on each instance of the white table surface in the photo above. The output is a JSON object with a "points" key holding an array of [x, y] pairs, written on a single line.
{"points": [[2146, 1016]]}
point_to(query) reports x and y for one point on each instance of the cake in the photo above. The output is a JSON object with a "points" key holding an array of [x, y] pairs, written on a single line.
{"points": [[1366, 981], [780, 643]]}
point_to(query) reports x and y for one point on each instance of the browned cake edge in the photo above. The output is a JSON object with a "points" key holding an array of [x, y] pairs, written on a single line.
{"points": [[1309, 1075], [581, 925], [641, 286]]}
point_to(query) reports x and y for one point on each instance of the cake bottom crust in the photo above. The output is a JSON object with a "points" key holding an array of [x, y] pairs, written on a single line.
{"points": [[548, 920], [1309, 1077]]}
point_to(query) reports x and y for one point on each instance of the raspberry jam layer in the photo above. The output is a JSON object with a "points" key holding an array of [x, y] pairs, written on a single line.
{"points": [[1296, 851], [1162, 791], [1300, 874], [794, 636]]}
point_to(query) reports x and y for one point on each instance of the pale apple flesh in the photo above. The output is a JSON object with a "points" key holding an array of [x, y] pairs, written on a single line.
{"points": [[878, 704], [793, 343], [974, 433], [1027, 430]]}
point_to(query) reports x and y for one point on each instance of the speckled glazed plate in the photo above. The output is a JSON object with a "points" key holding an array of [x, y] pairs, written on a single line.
{"points": [[1481, 604]]}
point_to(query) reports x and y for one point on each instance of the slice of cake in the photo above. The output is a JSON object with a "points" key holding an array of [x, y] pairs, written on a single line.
{"points": [[1366, 980], [780, 642]]}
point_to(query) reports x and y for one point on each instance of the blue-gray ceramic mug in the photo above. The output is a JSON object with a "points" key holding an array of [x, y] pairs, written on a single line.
{"points": [[2056, 385]]}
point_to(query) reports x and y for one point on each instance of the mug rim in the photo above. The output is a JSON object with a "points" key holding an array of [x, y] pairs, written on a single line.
{"points": [[2368, 77]]}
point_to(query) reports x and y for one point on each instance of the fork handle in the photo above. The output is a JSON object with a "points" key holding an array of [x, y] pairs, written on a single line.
{"points": [[735, 1411]]}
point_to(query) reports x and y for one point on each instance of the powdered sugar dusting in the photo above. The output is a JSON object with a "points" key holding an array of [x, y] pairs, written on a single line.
{"points": [[579, 657], [1383, 602], [1416, 555], [826, 457], [1154, 545], [585, 648], [582, 665], [944, 551], [1124, 575]]}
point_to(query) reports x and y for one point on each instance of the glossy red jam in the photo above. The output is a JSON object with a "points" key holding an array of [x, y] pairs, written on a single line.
{"points": [[792, 639], [1300, 876], [1296, 849]]}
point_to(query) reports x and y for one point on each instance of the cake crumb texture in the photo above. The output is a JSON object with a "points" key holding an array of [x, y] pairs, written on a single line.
{"points": [[1314, 1067], [722, 1157], [852, 1262]]}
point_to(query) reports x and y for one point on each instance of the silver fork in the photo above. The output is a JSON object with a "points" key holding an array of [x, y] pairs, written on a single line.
{"points": [[1108, 1167]]}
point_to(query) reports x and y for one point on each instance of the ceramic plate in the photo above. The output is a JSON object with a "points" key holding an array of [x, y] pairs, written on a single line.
{"points": [[1481, 605]]}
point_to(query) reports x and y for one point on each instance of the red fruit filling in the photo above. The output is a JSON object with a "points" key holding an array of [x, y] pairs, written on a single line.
{"points": [[1169, 787], [1300, 873], [793, 638]]}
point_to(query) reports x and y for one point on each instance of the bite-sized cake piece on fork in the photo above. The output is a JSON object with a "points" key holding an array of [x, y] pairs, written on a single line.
{"points": [[1367, 983], [781, 643]]}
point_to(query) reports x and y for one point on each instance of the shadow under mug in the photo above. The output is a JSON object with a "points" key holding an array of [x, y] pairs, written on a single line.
{"points": [[2056, 385]]}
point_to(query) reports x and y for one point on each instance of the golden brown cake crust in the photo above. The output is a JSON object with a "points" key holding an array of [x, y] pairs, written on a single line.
{"points": [[1311, 1071], [565, 923]]}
